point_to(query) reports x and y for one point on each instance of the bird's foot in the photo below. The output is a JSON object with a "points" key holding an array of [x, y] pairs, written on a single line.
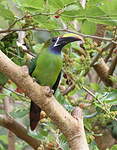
{"points": [[49, 92], [34, 80]]}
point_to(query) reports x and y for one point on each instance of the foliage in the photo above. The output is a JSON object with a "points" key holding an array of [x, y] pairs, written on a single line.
{"points": [[47, 18]]}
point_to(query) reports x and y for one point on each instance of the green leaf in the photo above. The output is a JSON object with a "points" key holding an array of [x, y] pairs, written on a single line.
{"points": [[111, 98], [109, 7], [56, 4], [69, 2], [93, 146], [114, 147], [6, 13], [94, 3], [97, 15], [107, 21], [94, 86], [71, 10], [2, 96], [63, 142], [4, 23], [36, 4], [20, 113], [93, 12], [47, 22], [60, 4], [88, 27], [43, 132], [4, 138]]}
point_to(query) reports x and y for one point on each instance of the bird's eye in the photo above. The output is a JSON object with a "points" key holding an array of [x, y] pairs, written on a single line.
{"points": [[54, 40]]}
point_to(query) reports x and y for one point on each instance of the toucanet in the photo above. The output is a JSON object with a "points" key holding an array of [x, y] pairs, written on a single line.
{"points": [[46, 68]]}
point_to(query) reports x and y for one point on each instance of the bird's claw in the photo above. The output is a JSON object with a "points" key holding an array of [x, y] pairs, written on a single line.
{"points": [[34, 80], [49, 92]]}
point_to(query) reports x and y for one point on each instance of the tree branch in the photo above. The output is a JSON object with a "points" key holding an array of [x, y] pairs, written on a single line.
{"points": [[81, 144], [8, 107], [69, 126], [60, 30], [19, 131], [113, 65], [69, 89], [102, 70]]}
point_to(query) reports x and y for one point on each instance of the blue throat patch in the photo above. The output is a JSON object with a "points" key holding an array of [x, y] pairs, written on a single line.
{"points": [[56, 50]]}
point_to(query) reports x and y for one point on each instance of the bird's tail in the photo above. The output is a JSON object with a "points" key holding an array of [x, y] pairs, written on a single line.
{"points": [[34, 115]]}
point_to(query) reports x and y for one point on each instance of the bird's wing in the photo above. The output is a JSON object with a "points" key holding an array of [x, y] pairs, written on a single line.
{"points": [[56, 83], [32, 65], [34, 109]]}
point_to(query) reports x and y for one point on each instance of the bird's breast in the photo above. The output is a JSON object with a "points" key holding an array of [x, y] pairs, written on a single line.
{"points": [[47, 69]]}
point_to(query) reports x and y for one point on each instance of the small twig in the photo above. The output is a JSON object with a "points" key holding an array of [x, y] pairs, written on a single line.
{"points": [[109, 55], [69, 89], [84, 17], [103, 104], [13, 54], [28, 52], [91, 115], [22, 29], [88, 91], [113, 46], [43, 14], [18, 94], [25, 49], [87, 36], [113, 65], [26, 16], [60, 30], [17, 20]]}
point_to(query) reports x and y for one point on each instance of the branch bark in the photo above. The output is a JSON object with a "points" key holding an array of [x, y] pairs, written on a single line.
{"points": [[69, 126], [102, 70], [113, 65], [19, 131], [8, 107]]}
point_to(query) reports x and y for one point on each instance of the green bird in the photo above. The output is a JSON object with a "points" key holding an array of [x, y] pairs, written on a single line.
{"points": [[46, 68]]}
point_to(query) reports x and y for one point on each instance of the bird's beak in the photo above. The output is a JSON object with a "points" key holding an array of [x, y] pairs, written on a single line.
{"points": [[75, 37]]}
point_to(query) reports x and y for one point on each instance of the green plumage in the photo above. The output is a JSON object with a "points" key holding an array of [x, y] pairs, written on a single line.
{"points": [[48, 67]]}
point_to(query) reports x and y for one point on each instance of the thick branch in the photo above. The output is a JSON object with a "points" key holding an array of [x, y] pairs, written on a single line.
{"points": [[19, 131], [8, 107], [68, 125], [79, 144]]}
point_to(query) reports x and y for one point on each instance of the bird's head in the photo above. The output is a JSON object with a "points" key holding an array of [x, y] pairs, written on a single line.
{"points": [[57, 43]]}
